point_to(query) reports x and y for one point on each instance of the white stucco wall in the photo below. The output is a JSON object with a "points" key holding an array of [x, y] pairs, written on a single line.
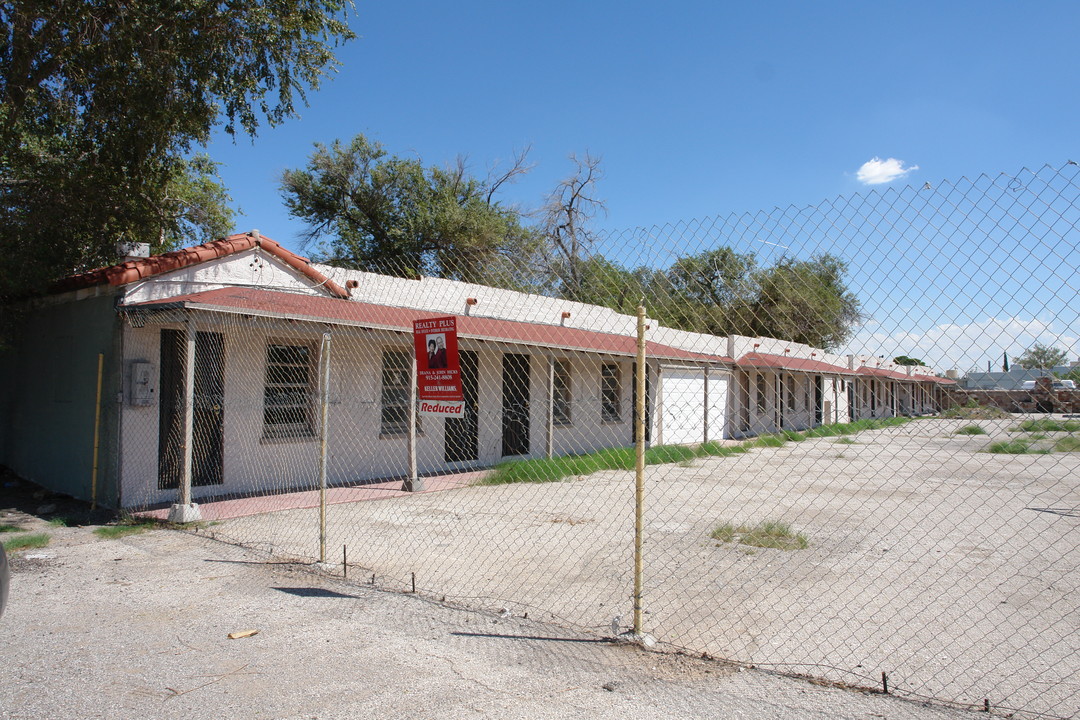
{"points": [[255, 464]]}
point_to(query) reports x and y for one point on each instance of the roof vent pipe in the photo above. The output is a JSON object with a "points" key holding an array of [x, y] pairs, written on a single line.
{"points": [[351, 285]]}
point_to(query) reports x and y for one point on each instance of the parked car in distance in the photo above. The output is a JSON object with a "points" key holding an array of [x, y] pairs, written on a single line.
{"points": [[1054, 385]]}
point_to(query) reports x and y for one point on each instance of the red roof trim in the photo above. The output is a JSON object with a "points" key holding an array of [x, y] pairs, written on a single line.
{"points": [[796, 364], [883, 373], [312, 308], [135, 270]]}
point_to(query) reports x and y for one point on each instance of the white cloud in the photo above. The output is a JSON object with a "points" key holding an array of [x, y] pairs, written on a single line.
{"points": [[966, 346], [877, 171]]}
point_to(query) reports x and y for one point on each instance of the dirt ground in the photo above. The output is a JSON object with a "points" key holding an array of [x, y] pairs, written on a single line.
{"points": [[951, 569], [138, 627]]}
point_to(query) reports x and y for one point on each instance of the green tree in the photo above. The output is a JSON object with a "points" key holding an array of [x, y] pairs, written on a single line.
{"points": [[709, 292], [1042, 357], [396, 216], [103, 101], [905, 360], [805, 301]]}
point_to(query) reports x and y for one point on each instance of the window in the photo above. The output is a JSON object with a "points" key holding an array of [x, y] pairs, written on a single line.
{"points": [[396, 369], [760, 393], [791, 392], [610, 393], [289, 394], [561, 394]]}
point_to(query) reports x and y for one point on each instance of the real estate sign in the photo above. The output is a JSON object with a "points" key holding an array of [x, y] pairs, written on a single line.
{"points": [[438, 369]]}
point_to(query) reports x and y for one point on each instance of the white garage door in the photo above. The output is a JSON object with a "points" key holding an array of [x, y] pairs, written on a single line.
{"points": [[684, 405]]}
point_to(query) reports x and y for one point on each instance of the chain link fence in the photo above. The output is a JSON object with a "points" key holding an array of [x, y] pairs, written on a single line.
{"points": [[822, 494]]}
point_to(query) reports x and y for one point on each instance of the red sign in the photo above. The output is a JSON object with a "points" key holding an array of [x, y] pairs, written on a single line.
{"points": [[438, 369]]}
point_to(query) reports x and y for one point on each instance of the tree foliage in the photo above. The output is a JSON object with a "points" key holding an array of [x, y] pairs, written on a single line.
{"points": [[102, 101], [905, 360], [396, 216], [1042, 357]]}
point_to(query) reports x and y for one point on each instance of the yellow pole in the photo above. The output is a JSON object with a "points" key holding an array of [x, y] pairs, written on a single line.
{"points": [[639, 441], [97, 433], [324, 417]]}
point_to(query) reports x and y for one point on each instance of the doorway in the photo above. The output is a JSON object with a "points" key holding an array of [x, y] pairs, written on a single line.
{"points": [[462, 435], [515, 404], [208, 436]]}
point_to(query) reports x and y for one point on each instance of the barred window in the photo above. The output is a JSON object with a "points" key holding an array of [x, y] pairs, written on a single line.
{"points": [[396, 369], [791, 392], [562, 394], [760, 393], [288, 396], [610, 393]]}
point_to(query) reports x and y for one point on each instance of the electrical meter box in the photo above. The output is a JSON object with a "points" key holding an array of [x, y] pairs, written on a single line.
{"points": [[142, 388]]}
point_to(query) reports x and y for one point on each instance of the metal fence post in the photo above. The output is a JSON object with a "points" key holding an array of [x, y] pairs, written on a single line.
{"points": [[639, 481], [324, 381]]}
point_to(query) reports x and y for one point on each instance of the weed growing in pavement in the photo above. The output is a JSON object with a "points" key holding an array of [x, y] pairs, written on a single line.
{"points": [[971, 430], [1020, 446], [1049, 425], [768, 534], [1069, 443], [8, 527]]}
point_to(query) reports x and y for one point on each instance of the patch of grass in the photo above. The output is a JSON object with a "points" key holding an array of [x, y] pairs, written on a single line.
{"points": [[27, 542], [663, 454], [844, 441], [764, 441], [63, 521], [1069, 443], [1020, 446], [1049, 425], [822, 431], [768, 534], [971, 430], [8, 527], [124, 527], [541, 470]]}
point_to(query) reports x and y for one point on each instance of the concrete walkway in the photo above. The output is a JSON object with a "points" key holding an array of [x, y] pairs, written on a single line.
{"points": [[382, 490]]}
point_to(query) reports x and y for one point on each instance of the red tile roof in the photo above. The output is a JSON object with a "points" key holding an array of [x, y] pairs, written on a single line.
{"points": [[134, 270], [883, 373], [269, 303], [795, 364]]}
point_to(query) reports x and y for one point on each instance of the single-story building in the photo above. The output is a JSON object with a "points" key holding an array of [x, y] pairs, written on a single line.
{"points": [[243, 368]]}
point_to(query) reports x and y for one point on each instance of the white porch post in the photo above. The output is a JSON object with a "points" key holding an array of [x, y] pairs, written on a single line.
{"points": [[185, 511], [549, 440]]}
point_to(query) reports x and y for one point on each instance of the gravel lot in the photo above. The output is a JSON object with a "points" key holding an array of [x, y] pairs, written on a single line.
{"points": [[951, 569], [138, 627]]}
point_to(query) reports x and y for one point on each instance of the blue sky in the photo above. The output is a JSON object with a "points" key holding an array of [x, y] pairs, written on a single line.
{"points": [[697, 109]]}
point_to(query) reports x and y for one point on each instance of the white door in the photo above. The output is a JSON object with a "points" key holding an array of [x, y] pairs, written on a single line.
{"points": [[718, 394], [683, 405]]}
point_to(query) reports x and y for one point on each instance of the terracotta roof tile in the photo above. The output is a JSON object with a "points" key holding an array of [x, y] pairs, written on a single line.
{"points": [[135, 270]]}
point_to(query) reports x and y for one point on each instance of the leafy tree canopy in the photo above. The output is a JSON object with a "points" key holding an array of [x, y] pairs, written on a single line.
{"points": [[102, 101], [396, 216], [905, 360], [1042, 357]]}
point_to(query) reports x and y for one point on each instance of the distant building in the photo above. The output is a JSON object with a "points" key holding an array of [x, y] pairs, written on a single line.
{"points": [[1011, 380]]}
